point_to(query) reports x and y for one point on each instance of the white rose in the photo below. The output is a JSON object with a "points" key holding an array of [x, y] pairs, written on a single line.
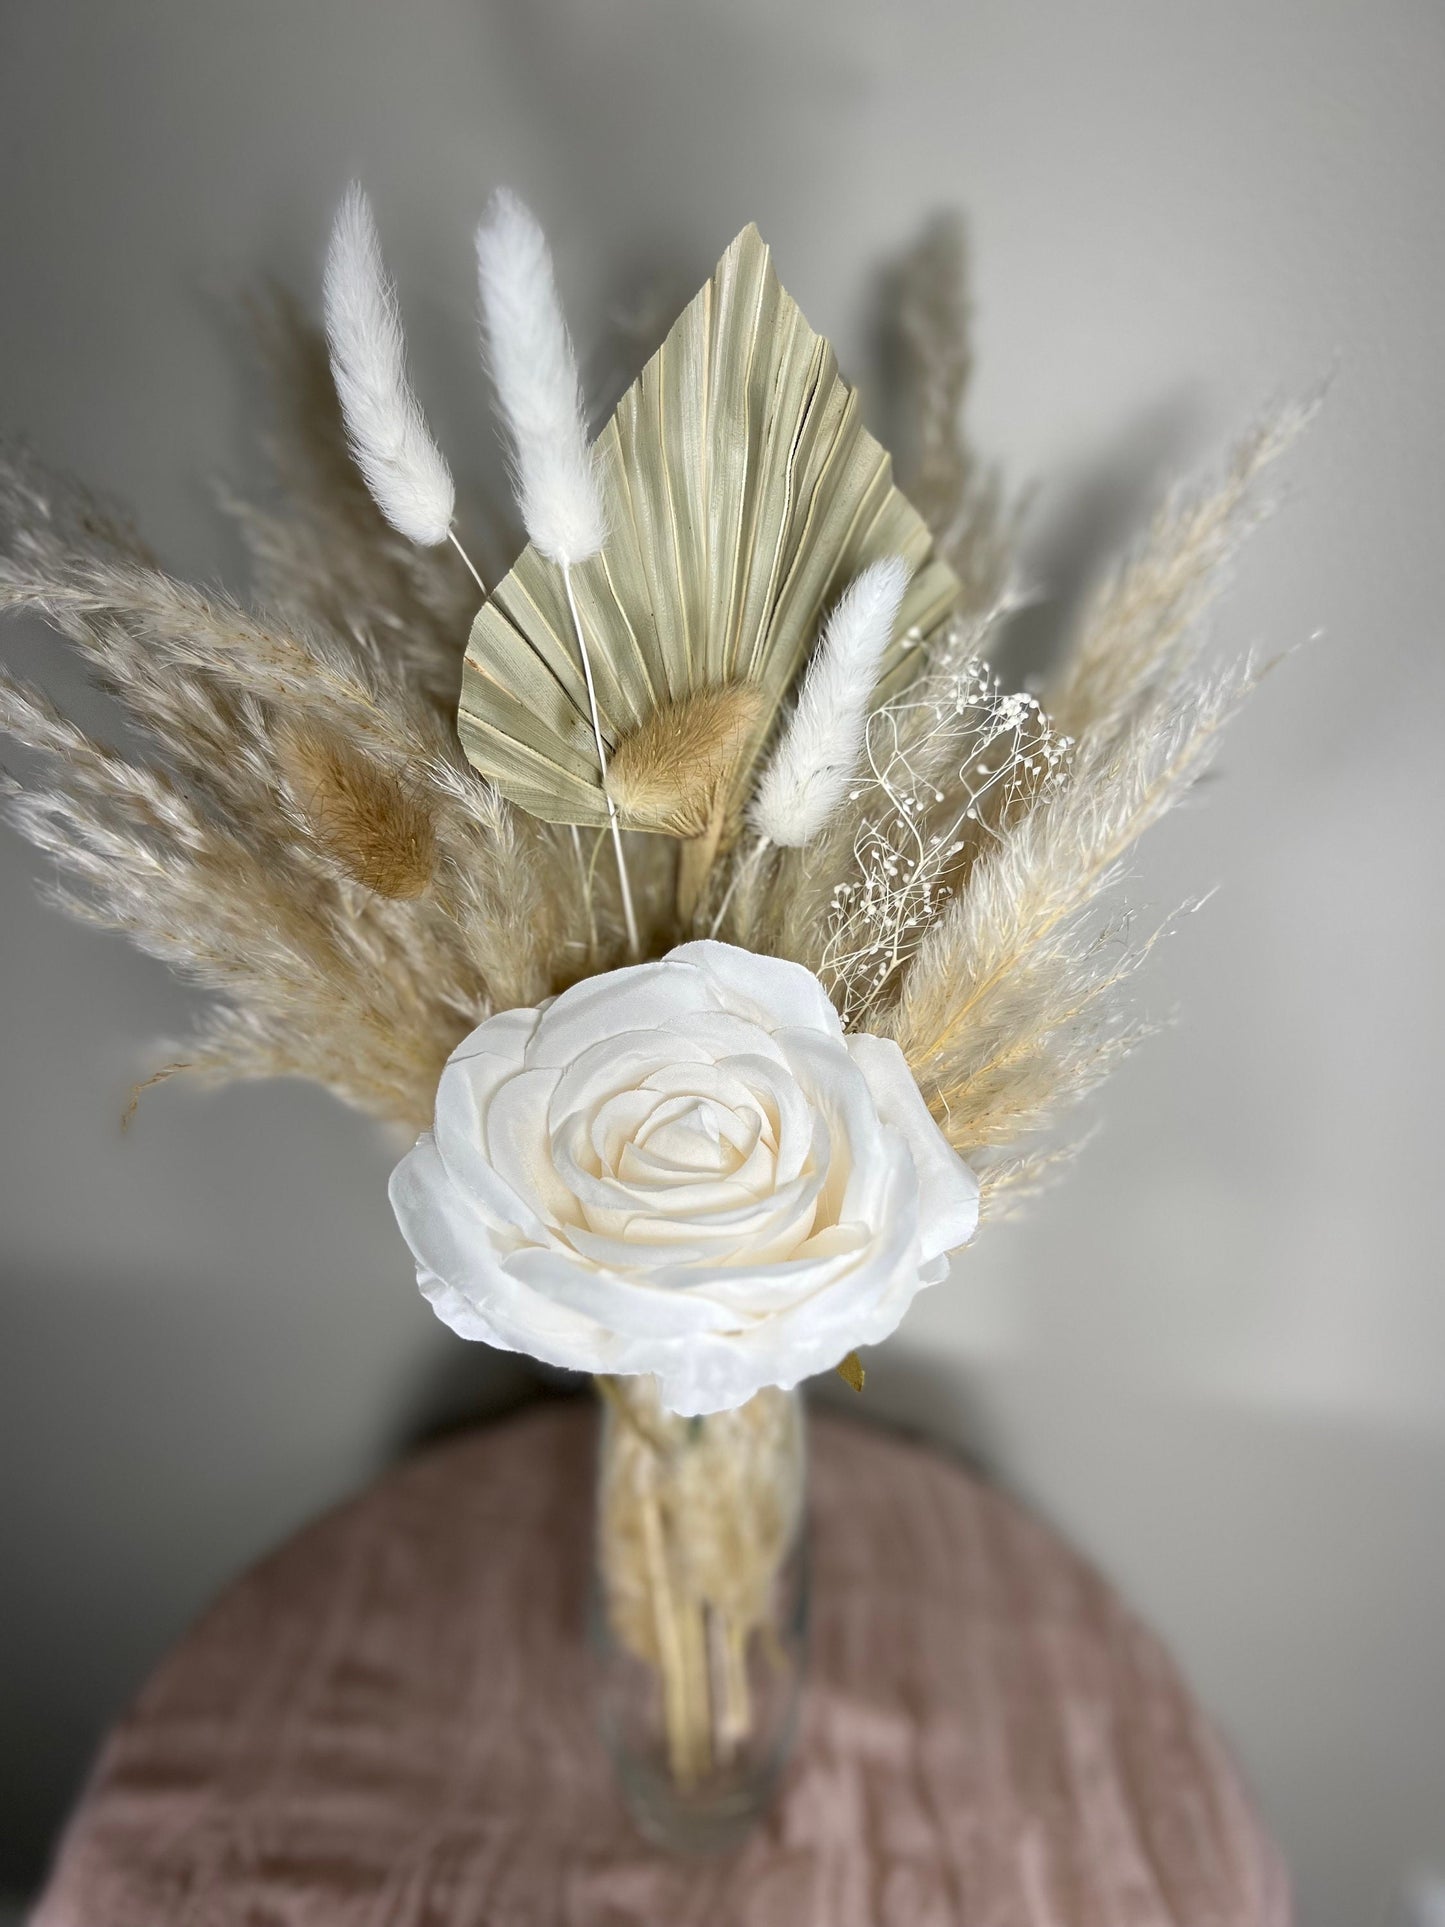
{"points": [[682, 1168]]}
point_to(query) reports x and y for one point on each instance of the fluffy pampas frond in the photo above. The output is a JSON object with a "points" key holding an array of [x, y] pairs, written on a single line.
{"points": [[1011, 1009], [538, 391], [1144, 628], [393, 446], [1014, 1003], [808, 773], [356, 912]]}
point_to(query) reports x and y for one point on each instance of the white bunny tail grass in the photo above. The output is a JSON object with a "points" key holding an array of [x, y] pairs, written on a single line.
{"points": [[319, 548], [394, 449], [809, 772], [540, 396], [530, 355]]}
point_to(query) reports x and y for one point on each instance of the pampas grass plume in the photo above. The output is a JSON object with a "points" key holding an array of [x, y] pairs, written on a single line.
{"points": [[394, 449], [812, 766], [530, 355]]}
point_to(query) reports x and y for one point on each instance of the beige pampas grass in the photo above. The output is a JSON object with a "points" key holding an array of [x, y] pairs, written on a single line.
{"points": [[1144, 627], [1011, 1007], [202, 848]]}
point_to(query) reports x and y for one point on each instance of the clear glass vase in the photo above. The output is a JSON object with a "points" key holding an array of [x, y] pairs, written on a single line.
{"points": [[699, 1610]]}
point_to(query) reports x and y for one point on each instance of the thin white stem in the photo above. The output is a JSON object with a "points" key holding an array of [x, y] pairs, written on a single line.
{"points": [[452, 538], [634, 942], [585, 878], [749, 864]]}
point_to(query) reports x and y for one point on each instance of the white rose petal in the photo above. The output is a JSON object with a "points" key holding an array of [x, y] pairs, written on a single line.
{"points": [[683, 1168]]}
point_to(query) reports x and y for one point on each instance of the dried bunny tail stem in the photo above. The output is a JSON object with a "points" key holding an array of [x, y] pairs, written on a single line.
{"points": [[629, 913], [320, 546], [676, 774], [363, 816], [674, 770], [394, 449], [808, 773], [1144, 627], [540, 397], [539, 394]]}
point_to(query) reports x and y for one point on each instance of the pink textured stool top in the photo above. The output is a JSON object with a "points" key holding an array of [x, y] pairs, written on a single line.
{"points": [[388, 1724]]}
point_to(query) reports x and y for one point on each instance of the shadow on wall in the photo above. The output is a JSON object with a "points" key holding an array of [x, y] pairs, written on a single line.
{"points": [[1080, 526]]}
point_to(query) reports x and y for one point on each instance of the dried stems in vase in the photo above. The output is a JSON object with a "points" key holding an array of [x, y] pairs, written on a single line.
{"points": [[695, 1520]]}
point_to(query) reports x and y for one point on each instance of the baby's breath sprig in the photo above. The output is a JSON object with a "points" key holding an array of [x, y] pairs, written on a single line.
{"points": [[948, 767]]}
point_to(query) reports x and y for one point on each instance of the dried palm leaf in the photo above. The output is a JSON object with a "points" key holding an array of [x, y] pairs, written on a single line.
{"points": [[744, 495]]}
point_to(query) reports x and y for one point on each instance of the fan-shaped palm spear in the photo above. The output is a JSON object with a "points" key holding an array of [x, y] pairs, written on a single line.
{"points": [[743, 495]]}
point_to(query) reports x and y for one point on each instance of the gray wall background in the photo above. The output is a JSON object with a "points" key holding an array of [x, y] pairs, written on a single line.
{"points": [[1215, 1355]]}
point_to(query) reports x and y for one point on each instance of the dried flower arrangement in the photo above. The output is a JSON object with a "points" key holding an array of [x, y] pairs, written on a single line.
{"points": [[729, 930]]}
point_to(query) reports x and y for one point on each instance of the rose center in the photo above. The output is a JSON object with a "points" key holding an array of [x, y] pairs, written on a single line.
{"points": [[688, 1136]]}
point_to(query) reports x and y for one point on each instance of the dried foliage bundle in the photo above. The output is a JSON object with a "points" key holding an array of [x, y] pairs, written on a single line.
{"points": [[300, 831], [294, 823], [694, 1522]]}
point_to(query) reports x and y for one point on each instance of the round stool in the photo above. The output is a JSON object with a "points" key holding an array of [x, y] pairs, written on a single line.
{"points": [[388, 1724]]}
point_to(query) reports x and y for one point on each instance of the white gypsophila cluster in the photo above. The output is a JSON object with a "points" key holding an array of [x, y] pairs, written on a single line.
{"points": [[946, 768]]}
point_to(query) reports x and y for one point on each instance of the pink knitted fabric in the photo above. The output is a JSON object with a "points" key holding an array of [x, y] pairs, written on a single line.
{"points": [[387, 1724]]}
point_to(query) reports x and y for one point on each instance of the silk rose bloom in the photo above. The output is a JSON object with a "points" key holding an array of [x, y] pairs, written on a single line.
{"points": [[683, 1168]]}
